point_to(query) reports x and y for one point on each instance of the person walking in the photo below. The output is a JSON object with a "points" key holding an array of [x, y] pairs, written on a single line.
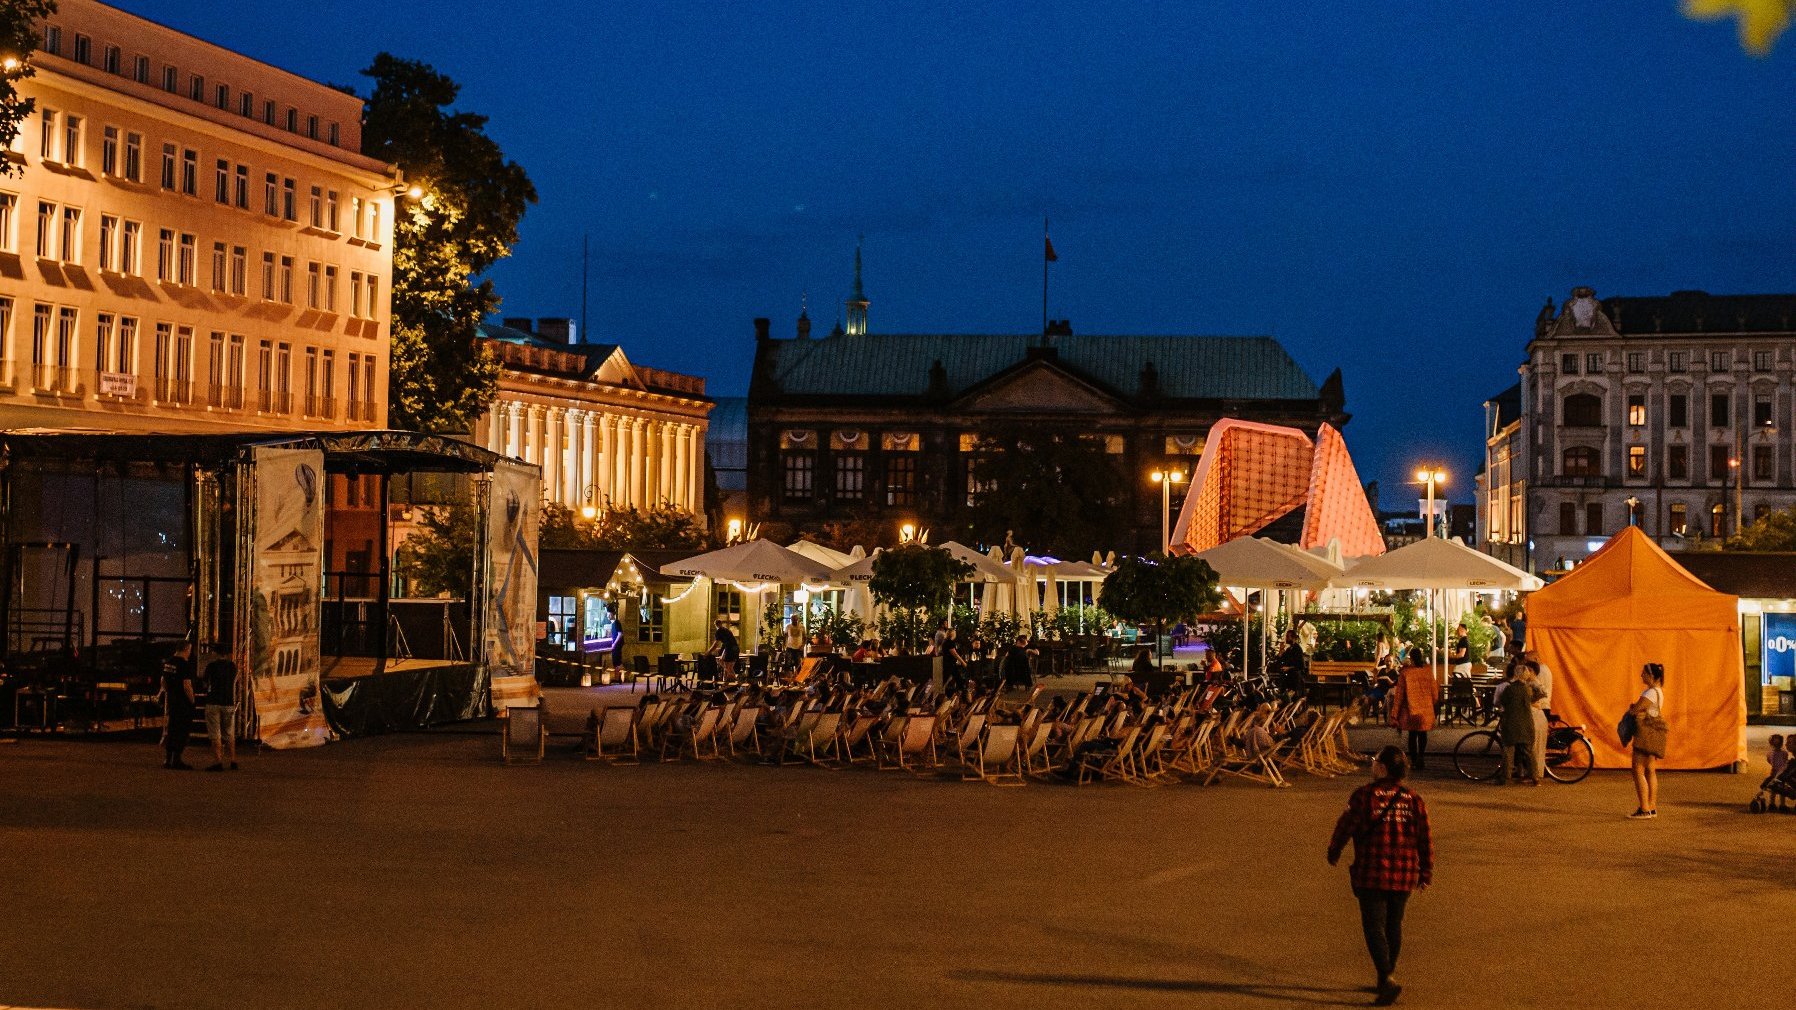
{"points": [[794, 644], [1413, 708], [1649, 740], [1515, 723], [726, 648], [221, 713], [1543, 680], [177, 706], [1015, 670], [1393, 857], [1461, 656]]}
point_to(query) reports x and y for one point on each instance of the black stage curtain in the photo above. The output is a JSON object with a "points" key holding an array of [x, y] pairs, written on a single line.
{"points": [[410, 699]]}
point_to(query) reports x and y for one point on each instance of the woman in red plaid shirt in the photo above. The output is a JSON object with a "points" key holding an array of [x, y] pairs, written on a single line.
{"points": [[1392, 856]]}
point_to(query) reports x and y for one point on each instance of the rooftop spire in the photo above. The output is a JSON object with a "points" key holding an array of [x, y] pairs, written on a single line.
{"points": [[857, 302]]}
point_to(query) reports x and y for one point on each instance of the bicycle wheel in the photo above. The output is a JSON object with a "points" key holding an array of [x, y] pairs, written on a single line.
{"points": [[1570, 760], [1479, 756]]}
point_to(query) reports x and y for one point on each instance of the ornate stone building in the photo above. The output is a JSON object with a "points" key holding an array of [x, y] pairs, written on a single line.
{"points": [[608, 433], [1674, 413]]}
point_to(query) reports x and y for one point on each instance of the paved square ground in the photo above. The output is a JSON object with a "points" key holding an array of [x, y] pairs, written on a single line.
{"points": [[414, 871]]}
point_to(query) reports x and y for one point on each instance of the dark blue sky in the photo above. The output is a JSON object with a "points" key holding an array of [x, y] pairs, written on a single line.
{"points": [[1391, 188]]}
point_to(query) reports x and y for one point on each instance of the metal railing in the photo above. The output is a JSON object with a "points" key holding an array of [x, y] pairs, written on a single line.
{"points": [[225, 397]]}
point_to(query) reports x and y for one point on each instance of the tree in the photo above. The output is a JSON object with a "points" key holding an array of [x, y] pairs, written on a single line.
{"points": [[917, 583], [562, 530], [663, 528], [463, 220], [437, 558], [1774, 531], [19, 21], [1061, 493], [1160, 591]]}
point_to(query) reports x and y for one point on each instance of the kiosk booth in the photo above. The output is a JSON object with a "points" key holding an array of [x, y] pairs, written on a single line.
{"points": [[275, 550]]}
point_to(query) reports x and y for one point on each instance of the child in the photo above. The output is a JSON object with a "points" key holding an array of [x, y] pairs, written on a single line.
{"points": [[1779, 759]]}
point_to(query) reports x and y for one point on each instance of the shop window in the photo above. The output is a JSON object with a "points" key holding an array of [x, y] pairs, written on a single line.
{"points": [[1580, 461], [1583, 410], [1637, 461], [1677, 462], [563, 621], [1680, 519]]}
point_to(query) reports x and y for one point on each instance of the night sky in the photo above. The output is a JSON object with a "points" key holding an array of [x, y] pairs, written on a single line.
{"points": [[1391, 188]]}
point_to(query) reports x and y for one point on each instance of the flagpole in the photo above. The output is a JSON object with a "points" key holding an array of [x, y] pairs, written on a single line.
{"points": [[1044, 282]]}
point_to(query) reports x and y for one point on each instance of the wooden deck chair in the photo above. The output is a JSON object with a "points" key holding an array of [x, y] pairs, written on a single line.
{"points": [[614, 740], [858, 735], [524, 735], [996, 758], [1109, 765], [742, 734], [1086, 729], [651, 721], [818, 741], [794, 732], [915, 745], [1148, 766], [696, 736], [1247, 761], [966, 739], [1195, 757], [1034, 750]]}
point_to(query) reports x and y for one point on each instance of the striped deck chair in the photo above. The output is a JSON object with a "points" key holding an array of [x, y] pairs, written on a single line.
{"points": [[858, 734], [698, 735], [817, 738]]}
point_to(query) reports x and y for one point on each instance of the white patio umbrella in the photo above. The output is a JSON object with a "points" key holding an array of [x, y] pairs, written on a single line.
{"points": [[752, 566], [984, 568], [817, 552], [1258, 563]]}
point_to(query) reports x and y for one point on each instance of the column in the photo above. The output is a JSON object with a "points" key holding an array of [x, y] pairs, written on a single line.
{"points": [[633, 425], [549, 452], [646, 499], [695, 469], [514, 424], [589, 458], [681, 449], [608, 455], [664, 443]]}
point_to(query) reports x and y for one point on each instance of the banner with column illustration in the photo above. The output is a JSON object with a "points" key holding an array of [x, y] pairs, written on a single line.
{"points": [[513, 514], [286, 575]]}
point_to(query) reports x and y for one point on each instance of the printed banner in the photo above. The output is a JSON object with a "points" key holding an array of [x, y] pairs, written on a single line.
{"points": [[1779, 648], [513, 512], [287, 574]]}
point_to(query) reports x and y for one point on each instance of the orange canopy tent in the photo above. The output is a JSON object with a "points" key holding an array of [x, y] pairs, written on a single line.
{"points": [[1628, 605]]}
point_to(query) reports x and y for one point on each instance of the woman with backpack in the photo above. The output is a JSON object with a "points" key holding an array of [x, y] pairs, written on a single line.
{"points": [[1648, 740], [1393, 857]]}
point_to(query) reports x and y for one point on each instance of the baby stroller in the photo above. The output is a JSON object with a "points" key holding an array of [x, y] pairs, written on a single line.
{"points": [[1780, 788]]}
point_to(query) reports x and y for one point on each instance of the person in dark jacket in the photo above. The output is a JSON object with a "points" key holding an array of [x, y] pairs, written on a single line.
{"points": [[1393, 857], [1515, 725], [178, 706], [221, 713], [1016, 669]]}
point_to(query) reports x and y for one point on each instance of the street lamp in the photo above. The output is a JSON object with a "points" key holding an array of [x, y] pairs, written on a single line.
{"points": [[1633, 510], [1166, 479], [590, 506], [735, 530], [1429, 476], [907, 532]]}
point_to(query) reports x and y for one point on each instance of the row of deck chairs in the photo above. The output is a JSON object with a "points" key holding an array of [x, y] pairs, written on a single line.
{"points": [[1091, 738]]}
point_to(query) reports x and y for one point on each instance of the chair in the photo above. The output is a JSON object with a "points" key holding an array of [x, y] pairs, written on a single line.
{"points": [[914, 741], [997, 759], [525, 735], [858, 734], [639, 670], [743, 734], [966, 740], [817, 738], [693, 737], [614, 737], [1109, 765]]}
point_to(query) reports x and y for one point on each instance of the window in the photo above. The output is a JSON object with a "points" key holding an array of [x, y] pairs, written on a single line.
{"points": [[66, 320], [312, 127], [330, 210], [130, 249], [314, 285], [140, 70], [46, 230], [1719, 462], [268, 277], [1637, 461], [851, 471], [5, 320], [1583, 410], [134, 157], [53, 39], [127, 344], [47, 145], [335, 135], [1636, 409], [239, 270], [1593, 363], [108, 239], [311, 382], [190, 172], [1761, 410], [71, 235], [171, 80], [355, 294], [367, 387], [103, 347], [9, 207], [1677, 462], [798, 475], [71, 141], [265, 375], [1764, 463], [289, 200], [287, 279], [292, 120], [196, 88], [246, 105], [373, 298], [1717, 521], [355, 383], [1568, 519], [330, 289], [283, 378], [1718, 410], [268, 113], [1580, 461], [165, 254], [1636, 361], [316, 207], [215, 369], [901, 479], [1679, 411], [327, 383], [84, 48], [1679, 520], [271, 194], [222, 96], [1761, 361], [242, 187], [170, 155], [651, 621], [1676, 361], [110, 59], [221, 188], [374, 220], [188, 266], [1719, 361], [109, 151], [355, 215], [221, 271], [40, 340], [1593, 519]]}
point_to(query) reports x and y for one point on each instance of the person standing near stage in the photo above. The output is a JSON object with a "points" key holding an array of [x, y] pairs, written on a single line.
{"points": [[221, 713], [725, 647], [1393, 857], [177, 706]]}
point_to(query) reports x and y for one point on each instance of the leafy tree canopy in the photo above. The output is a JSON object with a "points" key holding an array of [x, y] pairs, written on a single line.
{"points": [[661, 528], [917, 577], [1775, 531], [19, 21], [1057, 492], [437, 558], [464, 221], [1160, 591]]}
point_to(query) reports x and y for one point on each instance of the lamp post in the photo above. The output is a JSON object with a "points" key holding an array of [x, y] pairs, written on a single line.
{"points": [[1633, 510], [1430, 475], [1166, 479], [589, 498]]}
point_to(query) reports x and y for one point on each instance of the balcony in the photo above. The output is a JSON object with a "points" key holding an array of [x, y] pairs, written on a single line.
{"points": [[224, 397], [61, 380], [174, 392], [1593, 480], [8, 373], [321, 406]]}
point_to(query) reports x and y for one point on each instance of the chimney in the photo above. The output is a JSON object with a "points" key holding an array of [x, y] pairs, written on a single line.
{"points": [[763, 329], [519, 323], [804, 326], [561, 331]]}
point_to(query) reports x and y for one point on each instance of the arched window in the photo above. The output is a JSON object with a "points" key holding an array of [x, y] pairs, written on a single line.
{"points": [[1580, 461], [1583, 410]]}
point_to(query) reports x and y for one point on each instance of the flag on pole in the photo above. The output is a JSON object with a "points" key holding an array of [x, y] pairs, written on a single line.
{"points": [[1049, 254]]}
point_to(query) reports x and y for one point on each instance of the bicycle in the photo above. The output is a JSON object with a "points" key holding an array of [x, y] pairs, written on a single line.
{"points": [[1479, 755]]}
